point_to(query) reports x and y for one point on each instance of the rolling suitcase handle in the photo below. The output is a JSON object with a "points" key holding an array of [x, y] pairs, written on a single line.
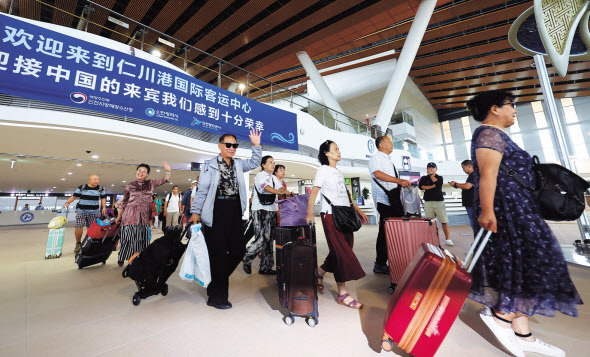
{"points": [[469, 261]]}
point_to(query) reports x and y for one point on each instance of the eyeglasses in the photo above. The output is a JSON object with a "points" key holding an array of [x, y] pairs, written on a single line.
{"points": [[230, 145], [512, 103]]}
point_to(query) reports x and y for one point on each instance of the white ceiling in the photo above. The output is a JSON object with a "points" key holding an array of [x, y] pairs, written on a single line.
{"points": [[43, 157]]}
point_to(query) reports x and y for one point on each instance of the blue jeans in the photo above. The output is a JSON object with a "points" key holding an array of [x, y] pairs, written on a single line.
{"points": [[474, 224]]}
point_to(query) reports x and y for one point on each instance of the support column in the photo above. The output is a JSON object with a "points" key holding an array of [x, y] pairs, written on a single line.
{"points": [[325, 92], [557, 130], [404, 63]]}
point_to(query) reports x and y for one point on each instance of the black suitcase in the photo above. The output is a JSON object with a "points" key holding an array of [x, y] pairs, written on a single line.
{"points": [[94, 251], [296, 257], [151, 268]]}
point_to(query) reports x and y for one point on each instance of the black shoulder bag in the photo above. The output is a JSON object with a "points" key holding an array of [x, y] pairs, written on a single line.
{"points": [[266, 199], [559, 192], [393, 195], [346, 218]]}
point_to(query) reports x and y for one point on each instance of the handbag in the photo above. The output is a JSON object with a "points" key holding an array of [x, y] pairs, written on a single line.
{"points": [[266, 199], [346, 218], [559, 193]]}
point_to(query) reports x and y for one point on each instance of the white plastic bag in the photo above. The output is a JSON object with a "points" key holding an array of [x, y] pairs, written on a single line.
{"points": [[195, 264]]}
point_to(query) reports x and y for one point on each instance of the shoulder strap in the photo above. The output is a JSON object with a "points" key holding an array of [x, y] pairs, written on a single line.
{"points": [[510, 172], [380, 185]]}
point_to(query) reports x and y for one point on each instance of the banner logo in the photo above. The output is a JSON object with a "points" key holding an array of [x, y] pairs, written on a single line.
{"points": [[279, 137], [78, 97], [150, 112]]}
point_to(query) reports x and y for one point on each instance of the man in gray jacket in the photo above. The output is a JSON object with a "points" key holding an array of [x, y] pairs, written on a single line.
{"points": [[220, 203]]}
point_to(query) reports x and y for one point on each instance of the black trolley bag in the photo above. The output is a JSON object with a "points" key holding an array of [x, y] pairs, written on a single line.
{"points": [[297, 272], [98, 244], [151, 268]]}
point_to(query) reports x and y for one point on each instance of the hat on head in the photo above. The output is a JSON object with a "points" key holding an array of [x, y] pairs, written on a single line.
{"points": [[195, 181], [431, 164]]}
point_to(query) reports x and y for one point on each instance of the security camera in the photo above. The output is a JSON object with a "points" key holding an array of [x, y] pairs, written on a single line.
{"points": [[88, 151]]}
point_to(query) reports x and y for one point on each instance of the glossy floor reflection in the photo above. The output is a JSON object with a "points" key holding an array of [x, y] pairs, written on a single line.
{"points": [[49, 308]]}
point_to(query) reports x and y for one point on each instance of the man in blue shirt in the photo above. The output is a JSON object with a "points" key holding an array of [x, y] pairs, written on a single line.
{"points": [[39, 207], [91, 195], [26, 207]]}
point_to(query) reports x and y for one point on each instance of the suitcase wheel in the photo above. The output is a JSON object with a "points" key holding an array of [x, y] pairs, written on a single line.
{"points": [[312, 321], [59, 255], [165, 290], [289, 320], [387, 344], [103, 263], [136, 299], [391, 288]]}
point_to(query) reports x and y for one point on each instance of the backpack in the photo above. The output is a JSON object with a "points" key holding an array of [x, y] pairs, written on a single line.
{"points": [[157, 261]]}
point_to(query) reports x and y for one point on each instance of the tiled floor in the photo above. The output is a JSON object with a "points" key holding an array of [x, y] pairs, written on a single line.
{"points": [[49, 308]]}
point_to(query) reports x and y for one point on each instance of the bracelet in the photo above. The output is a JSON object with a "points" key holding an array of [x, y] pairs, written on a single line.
{"points": [[167, 172]]}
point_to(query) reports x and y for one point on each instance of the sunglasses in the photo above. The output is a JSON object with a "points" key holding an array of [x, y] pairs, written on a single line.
{"points": [[230, 145]]}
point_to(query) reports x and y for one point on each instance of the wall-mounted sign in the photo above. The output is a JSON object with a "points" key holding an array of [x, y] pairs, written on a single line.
{"points": [[356, 187], [305, 182], [406, 163]]}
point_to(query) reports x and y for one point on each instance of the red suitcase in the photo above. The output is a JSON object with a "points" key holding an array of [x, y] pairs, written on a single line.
{"points": [[404, 236], [428, 299]]}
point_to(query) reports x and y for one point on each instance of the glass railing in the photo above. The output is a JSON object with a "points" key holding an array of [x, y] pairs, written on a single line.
{"points": [[402, 117], [195, 62]]}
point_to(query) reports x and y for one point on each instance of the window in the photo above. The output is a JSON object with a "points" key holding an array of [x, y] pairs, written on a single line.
{"points": [[517, 138], [578, 142], [450, 152], [547, 144], [539, 115], [466, 128], [468, 147], [447, 132], [569, 110], [515, 128]]}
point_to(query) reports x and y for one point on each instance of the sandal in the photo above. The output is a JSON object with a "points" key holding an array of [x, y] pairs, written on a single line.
{"points": [[353, 304], [321, 288]]}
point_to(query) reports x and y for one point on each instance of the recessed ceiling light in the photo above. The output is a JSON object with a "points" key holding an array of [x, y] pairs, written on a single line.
{"points": [[156, 53], [292, 175], [124, 181], [78, 164], [112, 185], [54, 187], [69, 173], [95, 156], [158, 170], [367, 115], [63, 179]]}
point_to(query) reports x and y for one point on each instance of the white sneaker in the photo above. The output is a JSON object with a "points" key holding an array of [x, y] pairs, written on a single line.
{"points": [[449, 243], [541, 347], [505, 336]]}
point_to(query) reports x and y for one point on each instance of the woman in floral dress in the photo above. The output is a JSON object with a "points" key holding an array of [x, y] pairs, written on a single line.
{"points": [[522, 270], [135, 211]]}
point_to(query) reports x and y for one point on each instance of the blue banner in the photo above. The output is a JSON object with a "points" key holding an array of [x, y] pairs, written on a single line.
{"points": [[45, 65]]}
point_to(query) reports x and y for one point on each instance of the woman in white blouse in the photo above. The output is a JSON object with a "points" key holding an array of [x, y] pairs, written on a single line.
{"points": [[264, 218], [341, 260]]}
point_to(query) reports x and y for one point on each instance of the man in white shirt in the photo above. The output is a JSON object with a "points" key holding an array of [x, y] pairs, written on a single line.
{"points": [[172, 207], [384, 177]]}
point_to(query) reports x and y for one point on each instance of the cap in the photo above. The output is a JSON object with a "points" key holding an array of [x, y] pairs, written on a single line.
{"points": [[195, 181], [431, 164]]}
